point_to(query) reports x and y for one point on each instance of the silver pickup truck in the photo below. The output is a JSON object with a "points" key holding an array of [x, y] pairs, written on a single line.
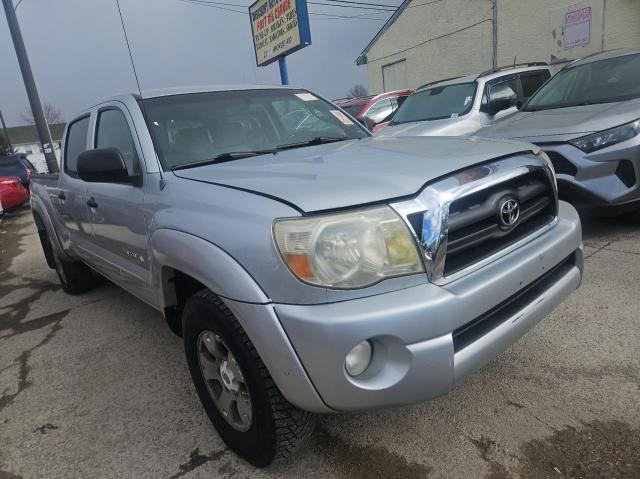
{"points": [[308, 266]]}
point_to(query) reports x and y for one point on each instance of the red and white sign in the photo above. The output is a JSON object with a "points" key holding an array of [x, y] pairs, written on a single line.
{"points": [[577, 28]]}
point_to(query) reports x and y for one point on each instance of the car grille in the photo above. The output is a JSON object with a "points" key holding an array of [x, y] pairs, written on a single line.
{"points": [[475, 230], [561, 164]]}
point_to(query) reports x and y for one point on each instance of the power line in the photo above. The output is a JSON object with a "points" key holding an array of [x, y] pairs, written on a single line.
{"points": [[365, 3], [216, 5], [353, 6], [431, 39]]}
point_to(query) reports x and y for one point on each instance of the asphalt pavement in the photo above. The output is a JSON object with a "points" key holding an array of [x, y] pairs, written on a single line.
{"points": [[97, 386]]}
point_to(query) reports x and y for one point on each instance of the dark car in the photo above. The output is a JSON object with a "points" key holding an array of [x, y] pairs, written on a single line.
{"points": [[18, 166]]}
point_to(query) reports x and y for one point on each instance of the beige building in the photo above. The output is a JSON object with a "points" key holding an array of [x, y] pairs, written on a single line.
{"points": [[427, 40]]}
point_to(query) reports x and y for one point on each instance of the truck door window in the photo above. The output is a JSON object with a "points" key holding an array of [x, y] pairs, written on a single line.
{"points": [[113, 132], [76, 143], [531, 82], [506, 89]]}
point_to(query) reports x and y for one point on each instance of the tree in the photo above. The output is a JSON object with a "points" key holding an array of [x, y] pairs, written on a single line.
{"points": [[357, 91], [5, 149], [52, 114]]}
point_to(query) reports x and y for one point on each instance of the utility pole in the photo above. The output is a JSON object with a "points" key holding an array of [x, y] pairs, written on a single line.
{"points": [[30, 85], [495, 32], [6, 133]]}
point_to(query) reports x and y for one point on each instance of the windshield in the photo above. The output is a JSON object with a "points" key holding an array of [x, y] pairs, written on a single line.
{"points": [[604, 81], [437, 103], [193, 128]]}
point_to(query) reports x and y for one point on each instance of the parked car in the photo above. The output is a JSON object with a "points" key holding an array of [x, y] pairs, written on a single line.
{"points": [[309, 269], [12, 193], [587, 119], [18, 166], [461, 106], [375, 108]]}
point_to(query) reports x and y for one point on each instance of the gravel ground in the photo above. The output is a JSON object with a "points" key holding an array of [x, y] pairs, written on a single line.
{"points": [[97, 386]]}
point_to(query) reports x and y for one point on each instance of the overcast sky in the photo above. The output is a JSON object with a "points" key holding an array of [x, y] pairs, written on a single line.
{"points": [[78, 53]]}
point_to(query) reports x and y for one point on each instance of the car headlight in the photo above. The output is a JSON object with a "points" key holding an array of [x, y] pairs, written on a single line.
{"points": [[348, 250], [605, 138]]}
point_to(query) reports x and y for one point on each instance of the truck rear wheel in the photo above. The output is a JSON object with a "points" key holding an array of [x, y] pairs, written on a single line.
{"points": [[235, 387], [75, 277]]}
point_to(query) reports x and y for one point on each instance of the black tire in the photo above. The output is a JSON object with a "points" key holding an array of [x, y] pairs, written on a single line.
{"points": [[277, 427], [635, 216], [75, 277]]}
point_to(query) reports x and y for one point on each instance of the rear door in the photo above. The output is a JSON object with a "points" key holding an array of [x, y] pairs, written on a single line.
{"points": [[69, 198], [117, 210]]}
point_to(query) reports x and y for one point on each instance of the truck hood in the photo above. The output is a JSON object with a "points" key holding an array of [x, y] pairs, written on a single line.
{"points": [[562, 124], [354, 172], [446, 126]]}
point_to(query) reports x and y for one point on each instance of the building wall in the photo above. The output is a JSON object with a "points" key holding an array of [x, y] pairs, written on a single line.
{"points": [[528, 30], [468, 50], [532, 30]]}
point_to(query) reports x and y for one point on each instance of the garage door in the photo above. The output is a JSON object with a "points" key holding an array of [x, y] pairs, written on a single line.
{"points": [[394, 76]]}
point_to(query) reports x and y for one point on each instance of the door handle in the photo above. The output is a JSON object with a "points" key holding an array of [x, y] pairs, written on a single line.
{"points": [[92, 203], [62, 196]]}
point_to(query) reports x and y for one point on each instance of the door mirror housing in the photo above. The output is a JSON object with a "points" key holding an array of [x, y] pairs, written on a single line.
{"points": [[105, 165], [497, 105]]}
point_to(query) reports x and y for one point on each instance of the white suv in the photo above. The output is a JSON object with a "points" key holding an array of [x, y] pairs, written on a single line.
{"points": [[461, 106]]}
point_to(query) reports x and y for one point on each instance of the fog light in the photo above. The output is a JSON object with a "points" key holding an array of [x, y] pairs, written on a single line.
{"points": [[358, 359]]}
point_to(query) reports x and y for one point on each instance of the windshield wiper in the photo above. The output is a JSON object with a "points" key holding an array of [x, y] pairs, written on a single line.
{"points": [[318, 140], [224, 157]]}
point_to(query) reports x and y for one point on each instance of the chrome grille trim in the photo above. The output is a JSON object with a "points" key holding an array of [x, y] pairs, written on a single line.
{"points": [[435, 200]]}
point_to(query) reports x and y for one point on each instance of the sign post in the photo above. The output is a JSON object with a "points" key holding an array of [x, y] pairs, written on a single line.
{"points": [[279, 28]]}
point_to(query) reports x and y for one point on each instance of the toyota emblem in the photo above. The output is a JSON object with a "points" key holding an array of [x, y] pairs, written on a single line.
{"points": [[509, 212]]}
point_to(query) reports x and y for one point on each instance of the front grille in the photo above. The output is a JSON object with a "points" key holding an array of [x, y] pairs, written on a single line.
{"points": [[475, 329], [474, 227], [561, 164]]}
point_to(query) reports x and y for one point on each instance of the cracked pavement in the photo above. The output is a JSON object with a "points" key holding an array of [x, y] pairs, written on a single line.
{"points": [[97, 386]]}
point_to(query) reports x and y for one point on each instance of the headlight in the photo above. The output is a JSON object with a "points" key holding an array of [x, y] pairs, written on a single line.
{"points": [[606, 138], [348, 250]]}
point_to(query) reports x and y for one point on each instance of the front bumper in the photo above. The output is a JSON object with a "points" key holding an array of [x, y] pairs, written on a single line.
{"points": [[416, 356], [603, 182]]}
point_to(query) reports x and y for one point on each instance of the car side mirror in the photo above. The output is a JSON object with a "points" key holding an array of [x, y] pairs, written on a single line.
{"points": [[105, 165], [367, 122], [497, 105]]}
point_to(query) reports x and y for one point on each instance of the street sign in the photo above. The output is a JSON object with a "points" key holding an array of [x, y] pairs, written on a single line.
{"points": [[279, 27]]}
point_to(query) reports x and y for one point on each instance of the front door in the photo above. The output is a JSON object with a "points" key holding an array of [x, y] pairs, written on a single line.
{"points": [[70, 199], [117, 210]]}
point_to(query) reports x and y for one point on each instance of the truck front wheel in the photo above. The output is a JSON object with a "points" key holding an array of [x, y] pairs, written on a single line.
{"points": [[236, 389], [75, 277]]}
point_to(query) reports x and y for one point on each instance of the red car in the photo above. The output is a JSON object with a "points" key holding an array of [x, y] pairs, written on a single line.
{"points": [[12, 193], [376, 108]]}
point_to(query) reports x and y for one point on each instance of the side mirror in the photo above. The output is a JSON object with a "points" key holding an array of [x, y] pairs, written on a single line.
{"points": [[367, 122], [105, 165], [496, 105]]}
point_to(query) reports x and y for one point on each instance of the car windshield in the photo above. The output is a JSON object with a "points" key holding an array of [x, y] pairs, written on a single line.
{"points": [[604, 81], [436, 103], [196, 128]]}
